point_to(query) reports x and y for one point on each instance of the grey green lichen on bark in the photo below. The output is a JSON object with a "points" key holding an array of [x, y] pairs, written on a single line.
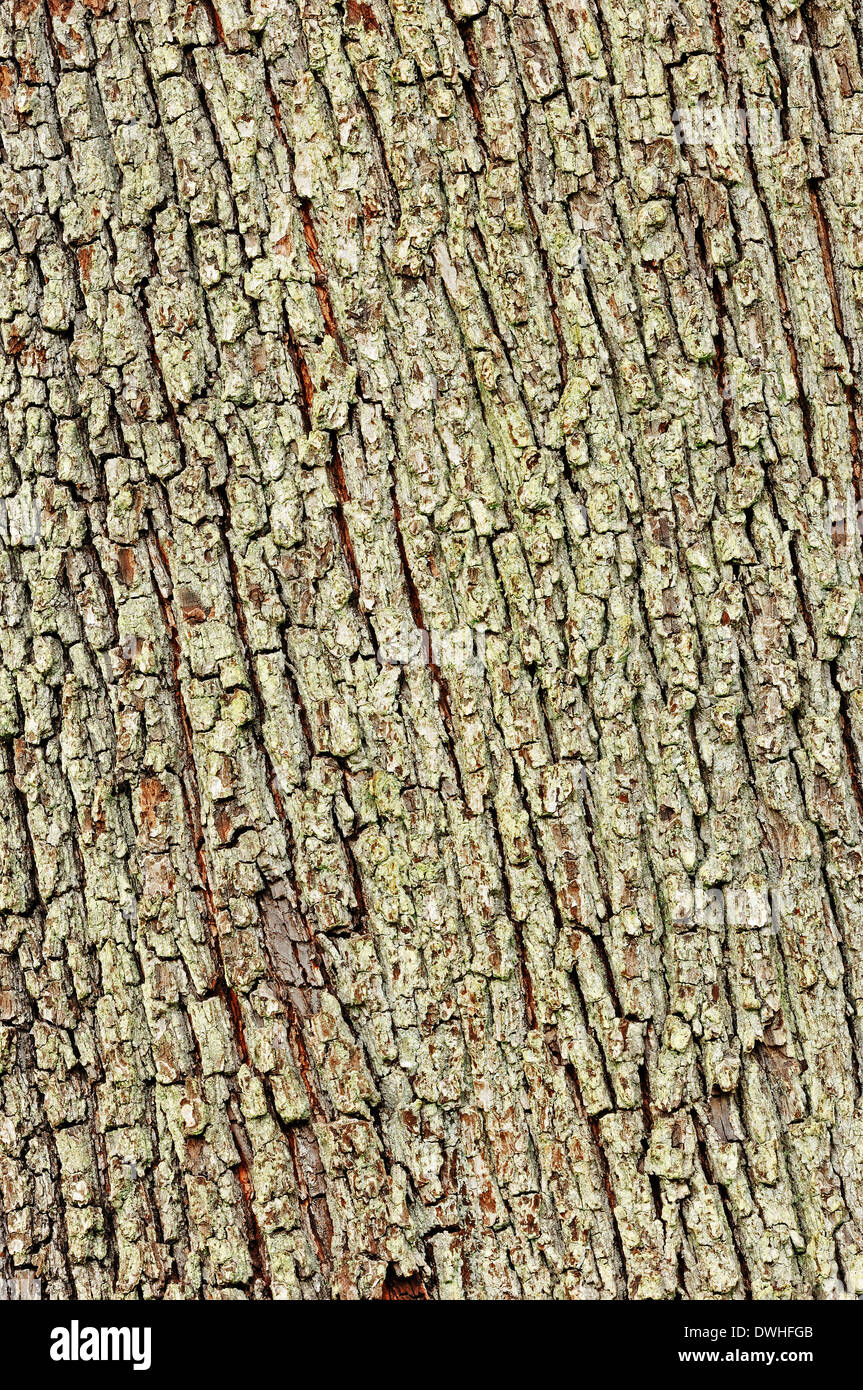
{"points": [[325, 974]]}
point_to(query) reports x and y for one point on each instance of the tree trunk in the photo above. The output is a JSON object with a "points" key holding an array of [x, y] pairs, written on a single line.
{"points": [[431, 703]]}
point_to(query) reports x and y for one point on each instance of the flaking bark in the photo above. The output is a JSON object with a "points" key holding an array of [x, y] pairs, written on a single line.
{"points": [[429, 463]]}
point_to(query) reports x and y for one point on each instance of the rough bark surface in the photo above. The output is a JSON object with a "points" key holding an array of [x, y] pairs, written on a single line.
{"points": [[430, 607]]}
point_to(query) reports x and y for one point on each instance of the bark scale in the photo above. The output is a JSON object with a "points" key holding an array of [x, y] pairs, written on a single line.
{"points": [[431, 704]]}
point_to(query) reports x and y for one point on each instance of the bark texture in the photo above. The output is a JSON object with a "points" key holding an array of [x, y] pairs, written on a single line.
{"points": [[430, 606]]}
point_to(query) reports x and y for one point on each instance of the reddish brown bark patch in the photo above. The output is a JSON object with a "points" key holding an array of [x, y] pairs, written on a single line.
{"points": [[397, 1288]]}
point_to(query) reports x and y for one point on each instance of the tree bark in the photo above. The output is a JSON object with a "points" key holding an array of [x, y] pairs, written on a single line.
{"points": [[431, 703]]}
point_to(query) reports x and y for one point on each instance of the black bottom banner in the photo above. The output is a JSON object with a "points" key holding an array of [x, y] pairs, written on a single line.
{"points": [[243, 1342]]}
